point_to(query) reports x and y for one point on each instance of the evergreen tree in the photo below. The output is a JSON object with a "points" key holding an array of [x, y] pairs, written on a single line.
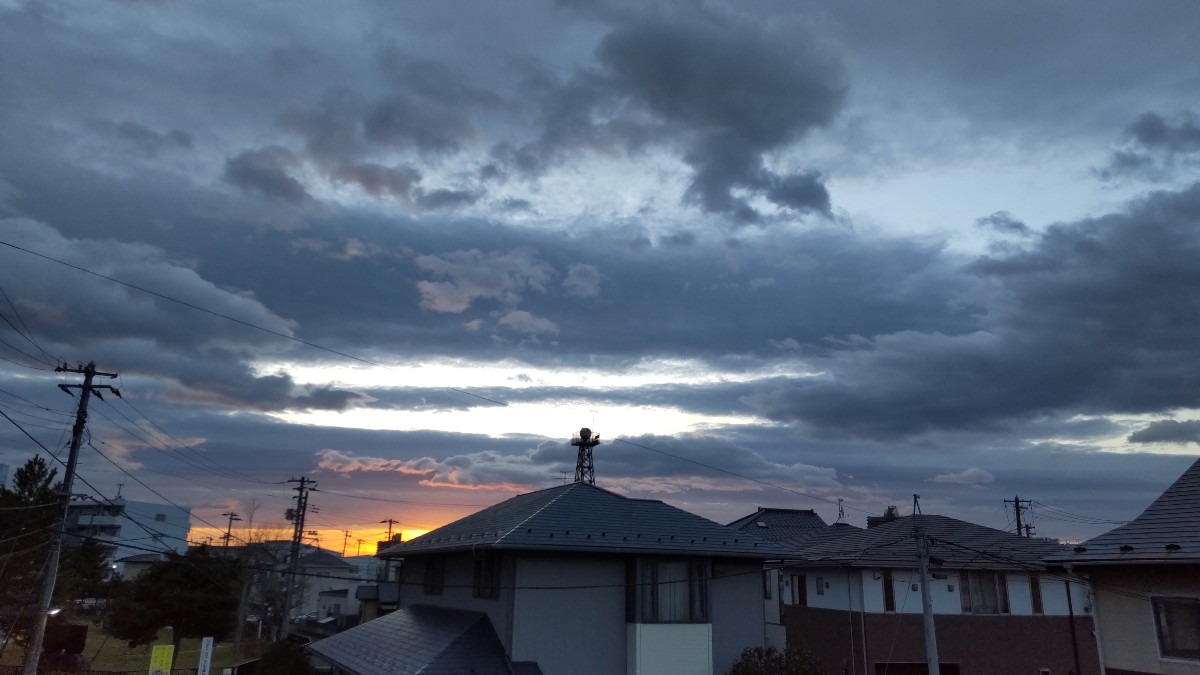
{"points": [[195, 594], [29, 515]]}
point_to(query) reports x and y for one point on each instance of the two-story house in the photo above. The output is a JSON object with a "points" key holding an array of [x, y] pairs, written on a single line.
{"points": [[570, 580], [854, 601], [1146, 576]]}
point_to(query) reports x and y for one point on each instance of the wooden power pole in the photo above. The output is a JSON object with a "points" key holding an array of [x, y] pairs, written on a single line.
{"points": [[37, 636]]}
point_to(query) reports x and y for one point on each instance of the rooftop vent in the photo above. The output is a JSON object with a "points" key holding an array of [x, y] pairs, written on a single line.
{"points": [[1173, 547], [1125, 548]]}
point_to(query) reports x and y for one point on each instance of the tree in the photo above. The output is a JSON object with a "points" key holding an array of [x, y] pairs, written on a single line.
{"points": [[771, 661], [29, 516], [195, 594], [81, 574]]}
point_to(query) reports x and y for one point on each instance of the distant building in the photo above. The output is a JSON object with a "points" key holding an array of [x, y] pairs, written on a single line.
{"points": [[127, 528]]}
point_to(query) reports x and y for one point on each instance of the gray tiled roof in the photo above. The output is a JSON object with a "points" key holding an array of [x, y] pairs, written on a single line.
{"points": [[584, 518], [1167, 531], [321, 558], [818, 535], [958, 543], [779, 524], [418, 639]]}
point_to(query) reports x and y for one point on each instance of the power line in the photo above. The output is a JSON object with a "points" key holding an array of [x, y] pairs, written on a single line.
{"points": [[186, 448], [247, 324], [744, 477], [28, 334]]}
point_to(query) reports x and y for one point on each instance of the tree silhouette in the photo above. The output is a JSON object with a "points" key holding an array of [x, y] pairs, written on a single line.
{"points": [[195, 594]]}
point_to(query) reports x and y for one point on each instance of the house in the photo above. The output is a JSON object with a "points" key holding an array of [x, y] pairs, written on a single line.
{"points": [[126, 528], [574, 580], [376, 600], [854, 601], [318, 572], [1146, 579], [134, 565], [792, 529]]}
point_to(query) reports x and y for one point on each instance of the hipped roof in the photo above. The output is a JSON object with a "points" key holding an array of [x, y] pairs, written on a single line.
{"points": [[956, 543], [578, 517], [1168, 531], [418, 639]]}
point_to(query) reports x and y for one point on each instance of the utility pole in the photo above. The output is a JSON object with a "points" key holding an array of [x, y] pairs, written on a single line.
{"points": [[387, 563], [585, 472], [390, 522], [297, 536], [931, 648], [229, 530], [1017, 502], [33, 652], [345, 540]]}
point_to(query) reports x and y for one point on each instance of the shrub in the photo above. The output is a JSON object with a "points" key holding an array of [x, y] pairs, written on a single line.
{"points": [[771, 661]]}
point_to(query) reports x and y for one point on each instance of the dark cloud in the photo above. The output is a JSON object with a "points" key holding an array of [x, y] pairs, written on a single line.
{"points": [[1168, 431], [265, 171], [1003, 222], [148, 141], [379, 181], [407, 122], [740, 88], [725, 89], [1087, 320], [446, 199], [1156, 148]]}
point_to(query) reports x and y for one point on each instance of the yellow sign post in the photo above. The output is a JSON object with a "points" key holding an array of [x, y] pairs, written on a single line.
{"points": [[161, 658]]}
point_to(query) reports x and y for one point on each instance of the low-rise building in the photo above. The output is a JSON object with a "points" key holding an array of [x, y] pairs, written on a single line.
{"points": [[128, 528], [1146, 576], [575, 580], [854, 601]]}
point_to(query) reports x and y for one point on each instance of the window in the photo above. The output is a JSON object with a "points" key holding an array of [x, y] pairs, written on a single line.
{"points": [[889, 592], [435, 575], [799, 590], [487, 577], [766, 584], [983, 592], [1178, 624], [820, 586], [1035, 593], [667, 591]]}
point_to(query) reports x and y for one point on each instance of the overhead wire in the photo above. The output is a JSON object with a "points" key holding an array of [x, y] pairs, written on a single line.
{"points": [[188, 449], [28, 334], [834, 502], [242, 322]]}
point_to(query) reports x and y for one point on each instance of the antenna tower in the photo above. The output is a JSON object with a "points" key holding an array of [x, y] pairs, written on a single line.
{"points": [[585, 472]]}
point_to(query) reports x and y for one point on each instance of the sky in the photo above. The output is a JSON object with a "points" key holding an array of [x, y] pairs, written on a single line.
{"points": [[775, 254]]}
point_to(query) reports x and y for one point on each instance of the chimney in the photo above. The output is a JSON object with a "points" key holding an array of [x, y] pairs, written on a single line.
{"points": [[889, 515]]}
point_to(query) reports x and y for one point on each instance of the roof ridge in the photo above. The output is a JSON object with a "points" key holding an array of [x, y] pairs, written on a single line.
{"points": [[543, 507]]}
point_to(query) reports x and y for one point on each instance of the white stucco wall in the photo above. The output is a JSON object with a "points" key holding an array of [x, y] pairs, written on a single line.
{"points": [[569, 630], [945, 593], [670, 649]]}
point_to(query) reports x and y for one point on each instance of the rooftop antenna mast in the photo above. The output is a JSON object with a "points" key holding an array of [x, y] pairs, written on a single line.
{"points": [[585, 472]]}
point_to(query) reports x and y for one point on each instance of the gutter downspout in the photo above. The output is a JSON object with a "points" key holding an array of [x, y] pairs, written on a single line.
{"points": [[1071, 618]]}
